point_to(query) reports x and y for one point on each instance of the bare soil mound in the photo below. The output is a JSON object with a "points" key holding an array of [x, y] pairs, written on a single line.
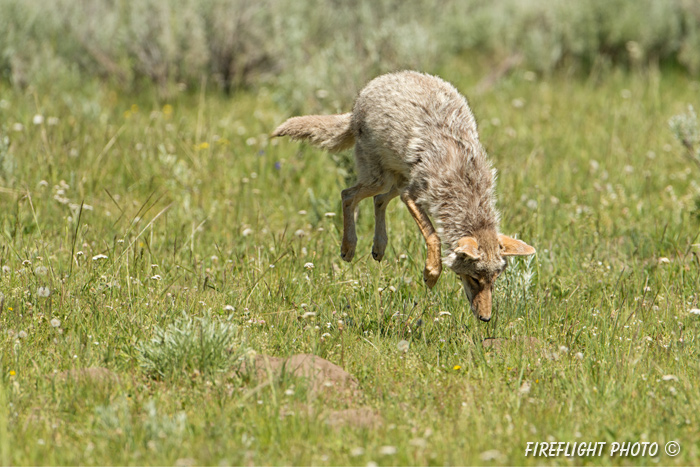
{"points": [[320, 374], [91, 375]]}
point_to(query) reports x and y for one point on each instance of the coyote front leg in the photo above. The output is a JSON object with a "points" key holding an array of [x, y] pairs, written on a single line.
{"points": [[380, 238], [433, 262]]}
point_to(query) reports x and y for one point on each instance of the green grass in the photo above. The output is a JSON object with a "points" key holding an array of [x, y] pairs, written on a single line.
{"points": [[194, 210]]}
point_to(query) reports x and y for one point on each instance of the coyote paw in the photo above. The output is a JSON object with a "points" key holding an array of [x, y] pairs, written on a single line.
{"points": [[378, 252], [347, 251], [431, 275]]}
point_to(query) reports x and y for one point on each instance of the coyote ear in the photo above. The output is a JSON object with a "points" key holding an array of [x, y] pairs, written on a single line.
{"points": [[513, 247], [468, 246]]}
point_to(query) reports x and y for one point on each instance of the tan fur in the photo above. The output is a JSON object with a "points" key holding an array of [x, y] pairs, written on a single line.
{"points": [[331, 132], [416, 137]]}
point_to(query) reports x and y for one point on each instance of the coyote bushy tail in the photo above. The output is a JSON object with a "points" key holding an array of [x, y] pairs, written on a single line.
{"points": [[331, 132]]}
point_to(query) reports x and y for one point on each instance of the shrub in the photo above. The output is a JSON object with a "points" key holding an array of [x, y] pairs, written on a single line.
{"points": [[686, 130], [306, 48], [204, 345]]}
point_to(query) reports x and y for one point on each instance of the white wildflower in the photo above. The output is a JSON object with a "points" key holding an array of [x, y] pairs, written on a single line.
{"points": [[56, 323], [229, 308], [490, 455], [41, 270], [156, 277], [22, 334], [43, 292], [329, 214], [669, 378], [579, 355], [309, 266], [98, 257], [300, 233], [418, 442], [38, 119], [524, 388], [247, 232], [693, 311], [403, 346], [388, 450]]}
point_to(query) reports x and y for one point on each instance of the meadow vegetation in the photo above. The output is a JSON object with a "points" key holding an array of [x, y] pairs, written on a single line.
{"points": [[154, 240]]}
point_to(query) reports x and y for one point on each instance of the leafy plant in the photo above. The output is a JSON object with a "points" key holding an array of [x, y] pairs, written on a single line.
{"points": [[202, 345], [7, 160], [686, 130]]}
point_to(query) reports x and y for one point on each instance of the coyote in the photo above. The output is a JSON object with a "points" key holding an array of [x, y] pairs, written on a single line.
{"points": [[415, 137]]}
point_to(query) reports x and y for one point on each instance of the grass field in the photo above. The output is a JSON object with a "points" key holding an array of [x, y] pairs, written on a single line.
{"points": [[123, 215]]}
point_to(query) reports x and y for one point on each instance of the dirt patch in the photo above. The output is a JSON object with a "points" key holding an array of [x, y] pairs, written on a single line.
{"points": [[93, 375], [502, 343], [322, 378], [320, 374], [363, 417]]}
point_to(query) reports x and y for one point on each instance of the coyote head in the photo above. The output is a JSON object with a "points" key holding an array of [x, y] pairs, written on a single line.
{"points": [[478, 260]]}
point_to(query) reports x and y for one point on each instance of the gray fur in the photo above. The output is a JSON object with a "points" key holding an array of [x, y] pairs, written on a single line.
{"points": [[415, 136]]}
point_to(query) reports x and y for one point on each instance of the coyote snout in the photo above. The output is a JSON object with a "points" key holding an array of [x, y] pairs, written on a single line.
{"points": [[478, 261], [415, 137]]}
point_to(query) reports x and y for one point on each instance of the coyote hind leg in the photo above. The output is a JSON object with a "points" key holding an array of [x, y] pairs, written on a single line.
{"points": [[380, 237], [351, 197], [433, 262]]}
